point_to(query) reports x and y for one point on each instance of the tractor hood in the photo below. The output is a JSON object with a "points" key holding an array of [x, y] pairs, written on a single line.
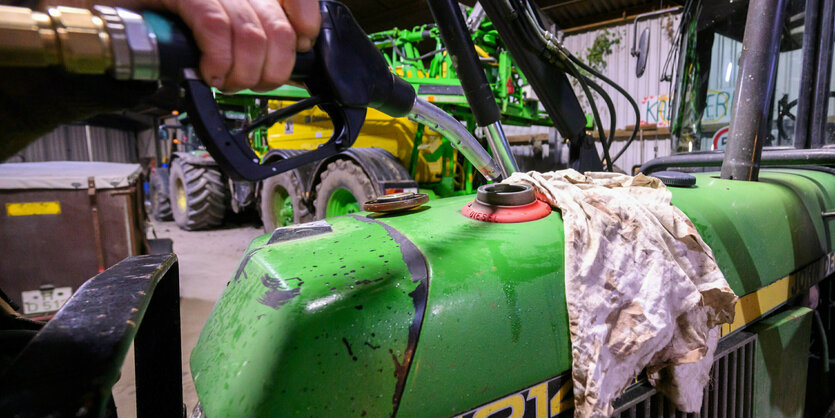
{"points": [[340, 322], [430, 313]]}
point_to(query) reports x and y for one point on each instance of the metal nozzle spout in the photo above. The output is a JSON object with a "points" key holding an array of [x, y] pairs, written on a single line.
{"points": [[440, 121]]}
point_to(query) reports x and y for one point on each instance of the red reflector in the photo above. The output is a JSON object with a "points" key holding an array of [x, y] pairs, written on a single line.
{"points": [[393, 191]]}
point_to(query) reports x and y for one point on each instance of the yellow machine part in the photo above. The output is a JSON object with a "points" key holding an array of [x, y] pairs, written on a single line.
{"points": [[310, 128]]}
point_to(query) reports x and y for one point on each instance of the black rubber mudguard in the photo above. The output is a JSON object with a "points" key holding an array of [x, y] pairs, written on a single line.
{"points": [[382, 168]]}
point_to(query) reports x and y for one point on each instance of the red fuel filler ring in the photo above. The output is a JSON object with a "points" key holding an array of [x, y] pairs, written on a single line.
{"points": [[506, 203]]}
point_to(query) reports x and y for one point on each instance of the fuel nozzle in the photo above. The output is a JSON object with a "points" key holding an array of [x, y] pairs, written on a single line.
{"points": [[460, 138]]}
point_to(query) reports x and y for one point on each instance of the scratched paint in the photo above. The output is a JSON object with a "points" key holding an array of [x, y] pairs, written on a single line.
{"points": [[494, 322], [279, 291], [416, 264], [301, 318]]}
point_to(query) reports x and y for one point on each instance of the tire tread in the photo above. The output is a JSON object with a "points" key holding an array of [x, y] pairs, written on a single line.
{"points": [[206, 196]]}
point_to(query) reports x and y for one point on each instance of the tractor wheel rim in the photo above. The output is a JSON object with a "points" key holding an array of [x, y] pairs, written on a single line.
{"points": [[181, 197], [282, 207], [341, 202]]}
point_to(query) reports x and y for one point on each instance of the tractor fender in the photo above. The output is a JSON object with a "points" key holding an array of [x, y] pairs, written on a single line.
{"points": [[305, 172], [201, 159], [383, 169]]}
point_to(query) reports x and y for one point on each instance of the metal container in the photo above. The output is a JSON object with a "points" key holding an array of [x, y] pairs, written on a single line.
{"points": [[62, 223]]}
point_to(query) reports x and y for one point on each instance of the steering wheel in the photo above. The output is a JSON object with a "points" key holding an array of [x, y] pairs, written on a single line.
{"points": [[784, 108]]}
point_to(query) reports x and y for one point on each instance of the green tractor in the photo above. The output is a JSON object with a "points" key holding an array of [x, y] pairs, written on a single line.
{"points": [[376, 314], [188, 187]]}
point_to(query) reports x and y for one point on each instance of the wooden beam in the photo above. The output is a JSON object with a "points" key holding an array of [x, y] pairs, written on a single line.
{"points": [[649, 131], [527, 138], [624, 18], [561, 4]]}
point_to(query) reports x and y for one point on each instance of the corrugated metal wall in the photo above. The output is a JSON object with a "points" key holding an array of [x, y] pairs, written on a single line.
{"points": [[650, 93], [70, 143], [640, 151]]}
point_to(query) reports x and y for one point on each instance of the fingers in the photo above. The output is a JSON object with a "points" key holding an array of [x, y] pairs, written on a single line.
{"points": [[249, 46], [248, 43], [212, 30], [281, 46], [305, 18]]}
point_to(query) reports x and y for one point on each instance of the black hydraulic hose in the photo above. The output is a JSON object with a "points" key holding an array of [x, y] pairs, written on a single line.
{"points": [[770, 158], [420, 58], [582, 80], [612, 114], [531, 40], [583, 83], [620, 90]]}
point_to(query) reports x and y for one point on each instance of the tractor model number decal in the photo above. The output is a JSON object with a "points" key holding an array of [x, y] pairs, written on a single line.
{"points": [[812, 274], [755, 305], [552, 398]]}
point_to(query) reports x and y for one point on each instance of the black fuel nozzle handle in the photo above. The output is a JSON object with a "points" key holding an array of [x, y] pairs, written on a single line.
{"points": [[344, 74]]}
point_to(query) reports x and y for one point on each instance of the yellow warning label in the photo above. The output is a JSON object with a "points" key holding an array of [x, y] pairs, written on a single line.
{"points": [[33, 208]]}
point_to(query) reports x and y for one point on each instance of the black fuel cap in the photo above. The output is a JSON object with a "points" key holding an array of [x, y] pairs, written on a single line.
{"points": [[675, 178], [502, 194]]}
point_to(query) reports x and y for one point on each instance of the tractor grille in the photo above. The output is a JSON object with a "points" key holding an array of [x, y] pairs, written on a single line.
{"points": [[728, 394]]}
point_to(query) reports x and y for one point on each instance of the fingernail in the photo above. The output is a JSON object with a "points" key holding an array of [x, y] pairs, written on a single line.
{"points": [[304, 44], [217, 82]]}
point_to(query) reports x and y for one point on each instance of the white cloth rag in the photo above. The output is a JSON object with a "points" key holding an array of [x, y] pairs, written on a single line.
{"points": [[642, 288]]}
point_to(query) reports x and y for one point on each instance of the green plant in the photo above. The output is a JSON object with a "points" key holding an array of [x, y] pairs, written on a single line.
{"points": [[596, 55], [601, 48]]}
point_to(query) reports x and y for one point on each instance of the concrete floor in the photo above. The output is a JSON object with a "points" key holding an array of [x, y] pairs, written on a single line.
{"points": [[207, 260]]}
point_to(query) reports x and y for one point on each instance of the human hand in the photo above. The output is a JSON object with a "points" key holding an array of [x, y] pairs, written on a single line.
{"points": [[244, 44], [249, 43]]}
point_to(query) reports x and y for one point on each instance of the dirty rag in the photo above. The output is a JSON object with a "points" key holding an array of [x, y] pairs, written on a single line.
{"points": [[642, 288]]}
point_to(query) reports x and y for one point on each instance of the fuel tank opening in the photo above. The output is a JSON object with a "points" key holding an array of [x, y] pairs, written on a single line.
{"points": [[506, 203]]}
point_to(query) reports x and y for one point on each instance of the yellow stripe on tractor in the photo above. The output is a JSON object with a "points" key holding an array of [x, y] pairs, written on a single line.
{"points": [[765, 300]]}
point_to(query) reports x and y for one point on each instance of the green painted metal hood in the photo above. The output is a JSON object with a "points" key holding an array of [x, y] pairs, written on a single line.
{"points": [[762, 231], [430, 313], [321, 325]]}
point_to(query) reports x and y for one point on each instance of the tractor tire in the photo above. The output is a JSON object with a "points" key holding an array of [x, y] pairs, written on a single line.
{"points": [[198, 195], [159, 197], [281, 201], [342, 189]]}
